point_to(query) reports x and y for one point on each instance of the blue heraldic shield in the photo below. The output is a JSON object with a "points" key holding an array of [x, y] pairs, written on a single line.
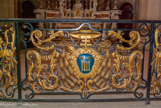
{"points": [[85, 63]]}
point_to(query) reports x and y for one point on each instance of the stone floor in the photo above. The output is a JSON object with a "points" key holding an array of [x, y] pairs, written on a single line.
{"points": [[154, 104]]}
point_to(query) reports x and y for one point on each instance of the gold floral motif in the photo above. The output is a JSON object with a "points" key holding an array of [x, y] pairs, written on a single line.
{"points": [[7, 62], [156, 76]]}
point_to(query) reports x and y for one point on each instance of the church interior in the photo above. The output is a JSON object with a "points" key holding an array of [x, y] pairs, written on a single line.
{"points": [[141, 9], [75, 50]]}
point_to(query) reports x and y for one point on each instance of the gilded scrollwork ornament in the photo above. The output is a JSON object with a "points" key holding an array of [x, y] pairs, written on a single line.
{"points": [[133, 42], [8, 63], [95, 70], [37, 39], [83, 69], [156, 75], [44, 65]]}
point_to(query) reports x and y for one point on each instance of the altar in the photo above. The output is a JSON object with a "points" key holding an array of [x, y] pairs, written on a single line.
{"points": [[80, 9]]}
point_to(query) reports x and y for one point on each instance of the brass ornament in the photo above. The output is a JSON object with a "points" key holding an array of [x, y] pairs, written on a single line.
{"points": [[84, 70], [8, 62], [43, 65], [39, 43], [156, 76], [73, 58], [86, 36], [99, 77], [133, 42]]}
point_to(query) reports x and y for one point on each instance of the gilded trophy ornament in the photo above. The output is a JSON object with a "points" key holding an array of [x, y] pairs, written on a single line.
{"points": [[84, 69]]}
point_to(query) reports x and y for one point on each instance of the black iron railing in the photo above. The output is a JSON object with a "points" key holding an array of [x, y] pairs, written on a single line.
{"points": [[81, 60]]}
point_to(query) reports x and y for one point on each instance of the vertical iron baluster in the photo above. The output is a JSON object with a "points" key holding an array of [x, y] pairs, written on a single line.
{"points": [[18, 65], [151, 36]]}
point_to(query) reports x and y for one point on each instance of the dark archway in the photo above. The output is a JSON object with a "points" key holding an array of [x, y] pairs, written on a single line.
{"points": [[127, 13], [28, 10]]}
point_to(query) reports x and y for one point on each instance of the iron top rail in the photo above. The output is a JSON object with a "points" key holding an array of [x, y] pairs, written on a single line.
{"points": [[76, 20]]}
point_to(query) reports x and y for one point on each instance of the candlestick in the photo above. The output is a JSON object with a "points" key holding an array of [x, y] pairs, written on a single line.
{"points": [[49, 7], [108, 5], [115, 5]]}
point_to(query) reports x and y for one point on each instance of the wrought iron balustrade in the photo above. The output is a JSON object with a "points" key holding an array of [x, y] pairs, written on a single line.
{"points": [[82, 64]]}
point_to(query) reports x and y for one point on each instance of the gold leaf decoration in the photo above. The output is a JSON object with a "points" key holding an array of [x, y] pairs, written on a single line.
{"points": [[110, 70], [8, 63], [156, 75]]}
